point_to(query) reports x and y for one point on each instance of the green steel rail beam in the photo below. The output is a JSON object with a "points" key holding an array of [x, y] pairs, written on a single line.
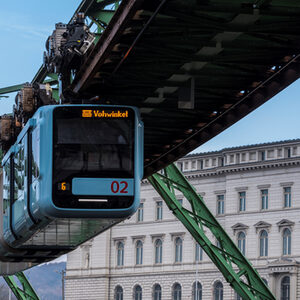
{"points": [[27, 293], [236, 269]]}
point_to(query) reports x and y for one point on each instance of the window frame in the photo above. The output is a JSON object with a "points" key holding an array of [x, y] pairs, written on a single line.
{"points": [[220, 204], [120, 254], [286, 242], [178, 249], [159, 210], [264, 197], [139, 245], [263, 243], [285, 195], [158, 251], [241, 242]]}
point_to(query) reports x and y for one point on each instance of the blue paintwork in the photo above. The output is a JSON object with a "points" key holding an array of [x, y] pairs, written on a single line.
{"points": [[42, 207]]}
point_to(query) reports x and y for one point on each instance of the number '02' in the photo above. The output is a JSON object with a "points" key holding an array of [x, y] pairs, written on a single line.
{"points": [[121, 187]]}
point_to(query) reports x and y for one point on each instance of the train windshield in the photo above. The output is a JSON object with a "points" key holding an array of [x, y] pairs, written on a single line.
{"points": [[91, 143]]}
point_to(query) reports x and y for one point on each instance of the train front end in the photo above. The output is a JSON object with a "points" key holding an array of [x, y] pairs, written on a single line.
{"points": [[96, 163]]}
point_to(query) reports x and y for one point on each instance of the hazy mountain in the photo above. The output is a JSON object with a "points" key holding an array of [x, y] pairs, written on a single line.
{"points": [[45, 279]]}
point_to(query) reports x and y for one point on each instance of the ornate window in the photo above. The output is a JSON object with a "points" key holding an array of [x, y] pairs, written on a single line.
{"points": [[287, 241], [157, 292], [158, 251], [263, 243], [218, 290], [285, 288], [198, 252], [137, 293], [139, 253], [176, 291], [118, 293], [178, 249], [197, 291], [140, 213], [120, 254], [242, 242]]}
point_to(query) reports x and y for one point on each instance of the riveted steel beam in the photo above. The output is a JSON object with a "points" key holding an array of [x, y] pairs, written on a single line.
{"points": [[197, 219]]}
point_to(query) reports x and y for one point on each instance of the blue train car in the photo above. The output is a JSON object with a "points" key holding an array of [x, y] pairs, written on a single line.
{"points": [[73, 172]]}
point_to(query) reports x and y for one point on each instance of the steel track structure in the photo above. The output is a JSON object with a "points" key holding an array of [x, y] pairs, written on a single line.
{"points": [[198, 220], [193, 68]]}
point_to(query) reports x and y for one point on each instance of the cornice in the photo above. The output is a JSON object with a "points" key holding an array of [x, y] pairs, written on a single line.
{"points": [[243, 167]]}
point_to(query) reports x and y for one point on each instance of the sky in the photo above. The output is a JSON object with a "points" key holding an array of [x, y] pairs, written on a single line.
{"points": [[27, 25]]}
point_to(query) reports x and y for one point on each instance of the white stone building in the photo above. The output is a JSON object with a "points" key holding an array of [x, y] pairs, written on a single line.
{"points": [[255, 193]]}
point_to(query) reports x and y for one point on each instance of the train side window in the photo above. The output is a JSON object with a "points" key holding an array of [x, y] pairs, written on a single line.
{"points": [[35, 155], [6, 186], [19, 180]]}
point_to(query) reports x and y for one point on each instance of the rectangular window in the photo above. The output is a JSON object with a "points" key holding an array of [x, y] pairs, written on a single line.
{"points": [[193, 164], [220, 204], [186, 165], [242, 201], [159, 210], [287, 193], [140, 213], [200, 164], [262, 155], [198, 253], [264, 199]]}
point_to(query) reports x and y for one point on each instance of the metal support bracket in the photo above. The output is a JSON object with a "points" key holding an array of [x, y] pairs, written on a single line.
{"points": [[226, 256], [27, 293]]}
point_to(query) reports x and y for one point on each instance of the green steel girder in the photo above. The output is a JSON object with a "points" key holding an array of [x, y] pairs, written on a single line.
{"points": [[27, 293], [11, 89], [236, 269]]}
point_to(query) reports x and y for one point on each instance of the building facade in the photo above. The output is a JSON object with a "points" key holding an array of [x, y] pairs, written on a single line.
{"points": [[254, 191]]}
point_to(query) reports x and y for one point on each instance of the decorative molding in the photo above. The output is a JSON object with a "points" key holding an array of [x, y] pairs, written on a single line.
{"points": [[220, 192], [286, 184], [284, 223], [262, 225], [263, 186], [119, 239], [177, 234], [239, 227], [138, 237], [157, 236], [241, 188]]}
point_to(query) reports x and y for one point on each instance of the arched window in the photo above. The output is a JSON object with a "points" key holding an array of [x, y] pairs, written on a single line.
{"points": [[176, 291], [197, 291], [157, 292], [242, 242], [218, 290], [263, 243], [137, 293], [178, 249], [158, 251], [285, 288], [198, 253], [118, 293], [139, 253], [120, 254], [287, 241]]}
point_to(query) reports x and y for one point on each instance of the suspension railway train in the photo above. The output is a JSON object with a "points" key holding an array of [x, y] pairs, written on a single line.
{"points": [[73, 172]]}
